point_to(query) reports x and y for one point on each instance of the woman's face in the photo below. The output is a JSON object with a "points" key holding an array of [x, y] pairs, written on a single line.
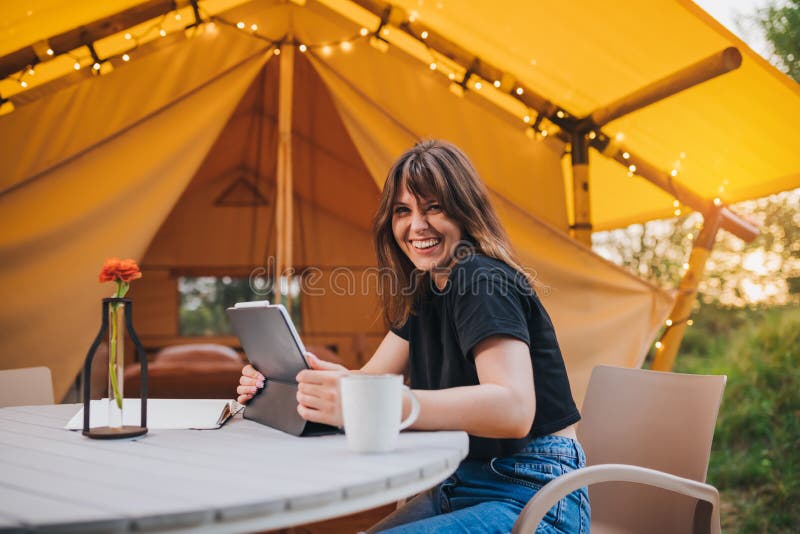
{"points": [[423, 231]]}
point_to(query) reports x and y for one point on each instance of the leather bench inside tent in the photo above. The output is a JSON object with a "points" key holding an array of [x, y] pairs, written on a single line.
{"points": [[197, 371]]}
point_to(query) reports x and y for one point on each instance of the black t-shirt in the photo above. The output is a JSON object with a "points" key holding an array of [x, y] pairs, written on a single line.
{"points": [[485, 297]]}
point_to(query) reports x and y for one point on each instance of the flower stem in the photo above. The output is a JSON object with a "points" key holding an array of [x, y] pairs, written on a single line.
{"points": [[112, 355]]}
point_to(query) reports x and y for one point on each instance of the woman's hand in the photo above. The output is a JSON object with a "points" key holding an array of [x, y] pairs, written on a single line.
{"points": [[318, 391], [249, 384]]}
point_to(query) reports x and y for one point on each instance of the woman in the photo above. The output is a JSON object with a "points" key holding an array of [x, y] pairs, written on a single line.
{"points": [[479, 347]]}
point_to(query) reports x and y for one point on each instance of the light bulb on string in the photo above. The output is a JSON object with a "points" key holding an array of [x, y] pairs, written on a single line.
{"points": [[689, 322], [675, 203], [76, 66], [659, 344], [673, 173], [478, 85], [240, 25], [254, 27], [519, 91], [50, 52], [592, 134], [452, 76], [96, 66], [717, 201], [690, 236], [432, 66], [560, 114], [424, 35], [363, 32], [326, 50], [126, 57], [178, 16], [302, 48], [31, 72], [526, 119], [496, 83], [632, 168], [277, 51], [128, 36], [162, 32], [668, 322], [24, 84], [625, 155], [346, 46]]}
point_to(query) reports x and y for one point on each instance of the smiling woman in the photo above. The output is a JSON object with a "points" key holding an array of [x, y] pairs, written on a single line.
{"points": [[467, 326]]}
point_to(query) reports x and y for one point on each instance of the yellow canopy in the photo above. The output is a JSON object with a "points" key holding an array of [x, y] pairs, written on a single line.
{"points": [[135, 161]]}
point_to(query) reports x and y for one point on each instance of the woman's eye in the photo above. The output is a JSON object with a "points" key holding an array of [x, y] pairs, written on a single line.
{"points": [[400, 210], [435, 207]]}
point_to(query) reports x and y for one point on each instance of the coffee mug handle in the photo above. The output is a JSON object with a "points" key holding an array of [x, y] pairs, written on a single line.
{"points": [[408, 421]]}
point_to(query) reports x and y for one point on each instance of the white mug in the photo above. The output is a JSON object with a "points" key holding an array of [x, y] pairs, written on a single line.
{"points": [[372, 406]]}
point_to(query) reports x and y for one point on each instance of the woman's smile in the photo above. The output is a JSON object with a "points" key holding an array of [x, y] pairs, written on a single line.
{"points": [[424, 232]]}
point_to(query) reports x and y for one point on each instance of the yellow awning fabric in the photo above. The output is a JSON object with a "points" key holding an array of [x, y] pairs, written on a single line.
{"points": [[732, 137], [104, 186]]}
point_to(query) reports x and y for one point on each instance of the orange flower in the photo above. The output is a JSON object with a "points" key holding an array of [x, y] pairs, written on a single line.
{"points": [[115, 269]]}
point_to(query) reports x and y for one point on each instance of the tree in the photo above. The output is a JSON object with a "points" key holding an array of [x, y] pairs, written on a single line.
{"points": [[781, 26]]}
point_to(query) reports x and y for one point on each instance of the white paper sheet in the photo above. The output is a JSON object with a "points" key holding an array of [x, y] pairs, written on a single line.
{"points": [[161, 413]]}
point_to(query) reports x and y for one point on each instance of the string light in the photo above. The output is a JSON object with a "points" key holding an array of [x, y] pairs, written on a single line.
{"points": [[424, 35], [685, 266], [240, 25], [432, 66], [326, 50], [31, 72], [669, 322], [659, 344], [385, 32], [96, 66], [526, 119], [519, 91], [673, 173], [690, 236], [717, 201], [23, 83], [632, 168], [178, 16], [452, 76], [346, 46], [50, 52], [128, 36], [126, 57], [544, 133], [253, 27], [690, 322], [560, 114], [277, 51], [592, 134], [496, 83], [364, 32], [302, 48], [76, 66], [677, 212], [675, 203], [478, 86], [625, 155], [162, 32]]}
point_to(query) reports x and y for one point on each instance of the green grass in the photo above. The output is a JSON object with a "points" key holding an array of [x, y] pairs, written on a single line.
{"points": [[755, 459]]}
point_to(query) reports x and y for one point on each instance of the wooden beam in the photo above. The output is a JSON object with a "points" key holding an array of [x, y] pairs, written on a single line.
{"points": [[87, 34], [687, 292], [702, 71], [729, 220]]}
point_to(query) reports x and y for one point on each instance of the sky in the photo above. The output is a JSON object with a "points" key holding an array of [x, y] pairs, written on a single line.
{"points": [[733, 14]]}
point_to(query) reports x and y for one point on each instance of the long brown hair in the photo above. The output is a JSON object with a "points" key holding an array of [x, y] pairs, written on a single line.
{"points": [[435, 169]]}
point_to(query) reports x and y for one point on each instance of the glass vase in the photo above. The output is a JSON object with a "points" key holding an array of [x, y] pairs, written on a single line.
{"points": [[116, 362]]}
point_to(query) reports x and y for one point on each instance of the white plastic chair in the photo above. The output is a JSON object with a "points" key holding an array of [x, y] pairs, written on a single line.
{"points": [[27, 386], [647, 437]]}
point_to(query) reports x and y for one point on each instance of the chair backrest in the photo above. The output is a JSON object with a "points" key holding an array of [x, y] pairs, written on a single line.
{"points": [[652, 419], [27, 386]]}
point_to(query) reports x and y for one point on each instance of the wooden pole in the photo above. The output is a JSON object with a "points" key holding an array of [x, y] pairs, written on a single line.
{"points": [[284, 208], [581, 228], [86, 34], [687, 292], [702, 71]]}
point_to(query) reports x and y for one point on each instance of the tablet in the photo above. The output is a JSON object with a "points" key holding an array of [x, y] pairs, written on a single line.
{"points": [[272, 345], [269, 339]]}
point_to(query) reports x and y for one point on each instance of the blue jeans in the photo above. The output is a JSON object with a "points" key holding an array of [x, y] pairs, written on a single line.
{"points": [[488, 496]]}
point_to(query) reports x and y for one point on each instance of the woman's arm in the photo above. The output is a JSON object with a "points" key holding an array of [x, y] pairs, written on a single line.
{"points": [[318, 388], [501, 406]]}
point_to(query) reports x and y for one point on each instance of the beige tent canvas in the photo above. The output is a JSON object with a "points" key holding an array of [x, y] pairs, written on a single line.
{"points": [[171, 159]]}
